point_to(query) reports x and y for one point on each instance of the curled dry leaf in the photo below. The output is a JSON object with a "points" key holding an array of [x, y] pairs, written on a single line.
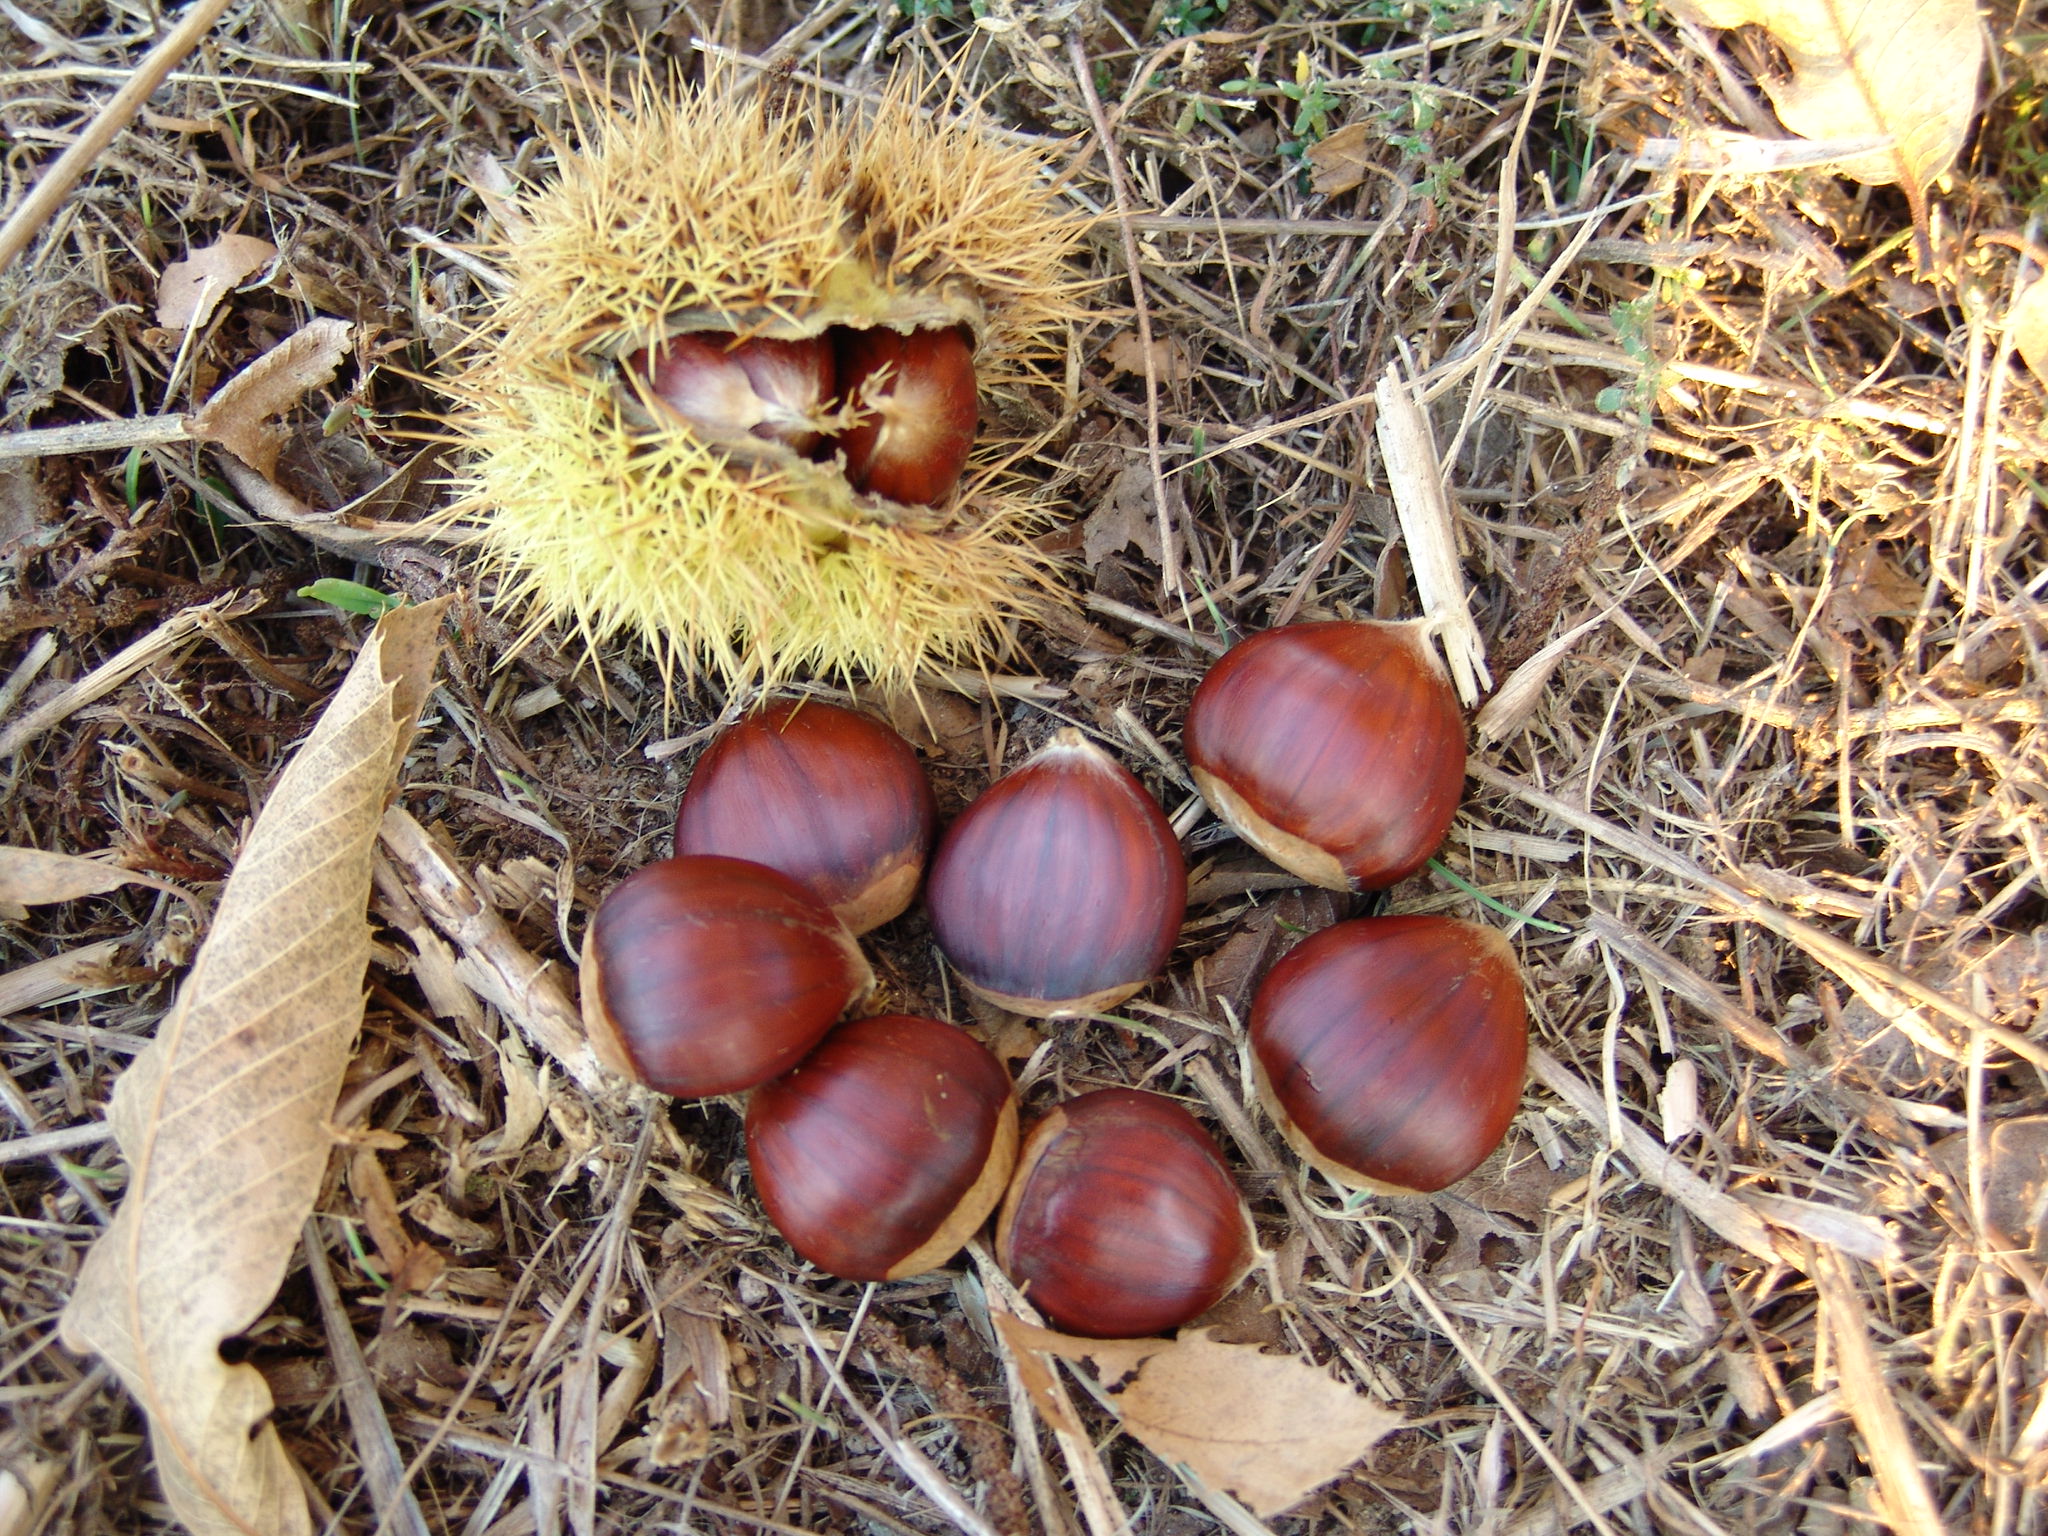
{"points": [[2028, 324], [240, 416], [223, 1118], [1429, 531], [29, 877], [1269, 1429], [190, 290], [1902, 70]]}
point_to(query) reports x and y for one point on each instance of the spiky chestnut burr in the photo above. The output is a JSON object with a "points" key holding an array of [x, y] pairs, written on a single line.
{"points": [[757, 217]]}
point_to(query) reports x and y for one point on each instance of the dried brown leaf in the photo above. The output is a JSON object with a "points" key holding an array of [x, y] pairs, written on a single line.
{"points": [[240, 416], [223, 1118], [29, 877], [1122, 518], [2013, 1177], [1170, 362], [190, 290], [1341, 161], [1903, 70], [1269, 1429]]}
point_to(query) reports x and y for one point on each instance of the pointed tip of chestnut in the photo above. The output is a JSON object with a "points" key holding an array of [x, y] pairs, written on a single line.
{"points": [[882, 1152], [1060, 891], [1336, 749], [829, 796], [1390, 1051], [705, 975], [1122, 1219]]}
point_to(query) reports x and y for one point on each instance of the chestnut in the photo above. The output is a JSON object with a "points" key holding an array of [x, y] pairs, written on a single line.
{"points": [[1122, 1219], [734, 387], [829, 796], [1336, 749], [706, 975], [883, 1151], [1390, 1050], [1060, 890], [918, 409]]}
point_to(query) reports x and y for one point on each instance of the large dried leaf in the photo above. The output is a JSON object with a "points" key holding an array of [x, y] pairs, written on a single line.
{"points": [[1270, 1429], [222, 1118], [240, 416], [1903, 70]]}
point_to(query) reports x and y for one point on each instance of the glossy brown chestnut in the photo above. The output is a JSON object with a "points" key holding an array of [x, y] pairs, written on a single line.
{"points": [[763, 387], [1122, 1219], [826, 795], [1335, 749], [1060, 890], [706, 975], [883, 1151], [919, 409], [1390, 1050]]}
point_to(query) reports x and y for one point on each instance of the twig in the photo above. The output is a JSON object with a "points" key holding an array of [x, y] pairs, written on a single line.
{"points": [[915, 1464], [1109, 607], [1721, 1213], [1415, 475], [1866, 973], [49, 1143], [491, 962], [1908, 1504], [179, 629], [576, 1432], [1169, 558], [95, 437], [375, 1445], [75, 973], [1491, 1383], [1092, 1488], [59, 179]]}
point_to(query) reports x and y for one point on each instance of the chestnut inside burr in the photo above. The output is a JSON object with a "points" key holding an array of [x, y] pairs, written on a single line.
{"points": [[771, 389], [898, 409]]}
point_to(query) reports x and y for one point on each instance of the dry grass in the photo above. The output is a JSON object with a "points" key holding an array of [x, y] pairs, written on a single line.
{"points": [[1753, 521]]}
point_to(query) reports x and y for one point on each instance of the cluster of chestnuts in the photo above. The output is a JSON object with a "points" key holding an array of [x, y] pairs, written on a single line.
{"points": [[899, 406], [1389, 1050]]}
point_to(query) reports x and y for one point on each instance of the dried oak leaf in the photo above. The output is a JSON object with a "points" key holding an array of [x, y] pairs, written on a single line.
{"points": [[222, 1119], [1269, 1429], [1902, 70], [239, 416], [190, 290]]}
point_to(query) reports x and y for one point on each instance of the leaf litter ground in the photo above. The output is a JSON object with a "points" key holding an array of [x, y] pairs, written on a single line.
{"points": [[1750, 512]]}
